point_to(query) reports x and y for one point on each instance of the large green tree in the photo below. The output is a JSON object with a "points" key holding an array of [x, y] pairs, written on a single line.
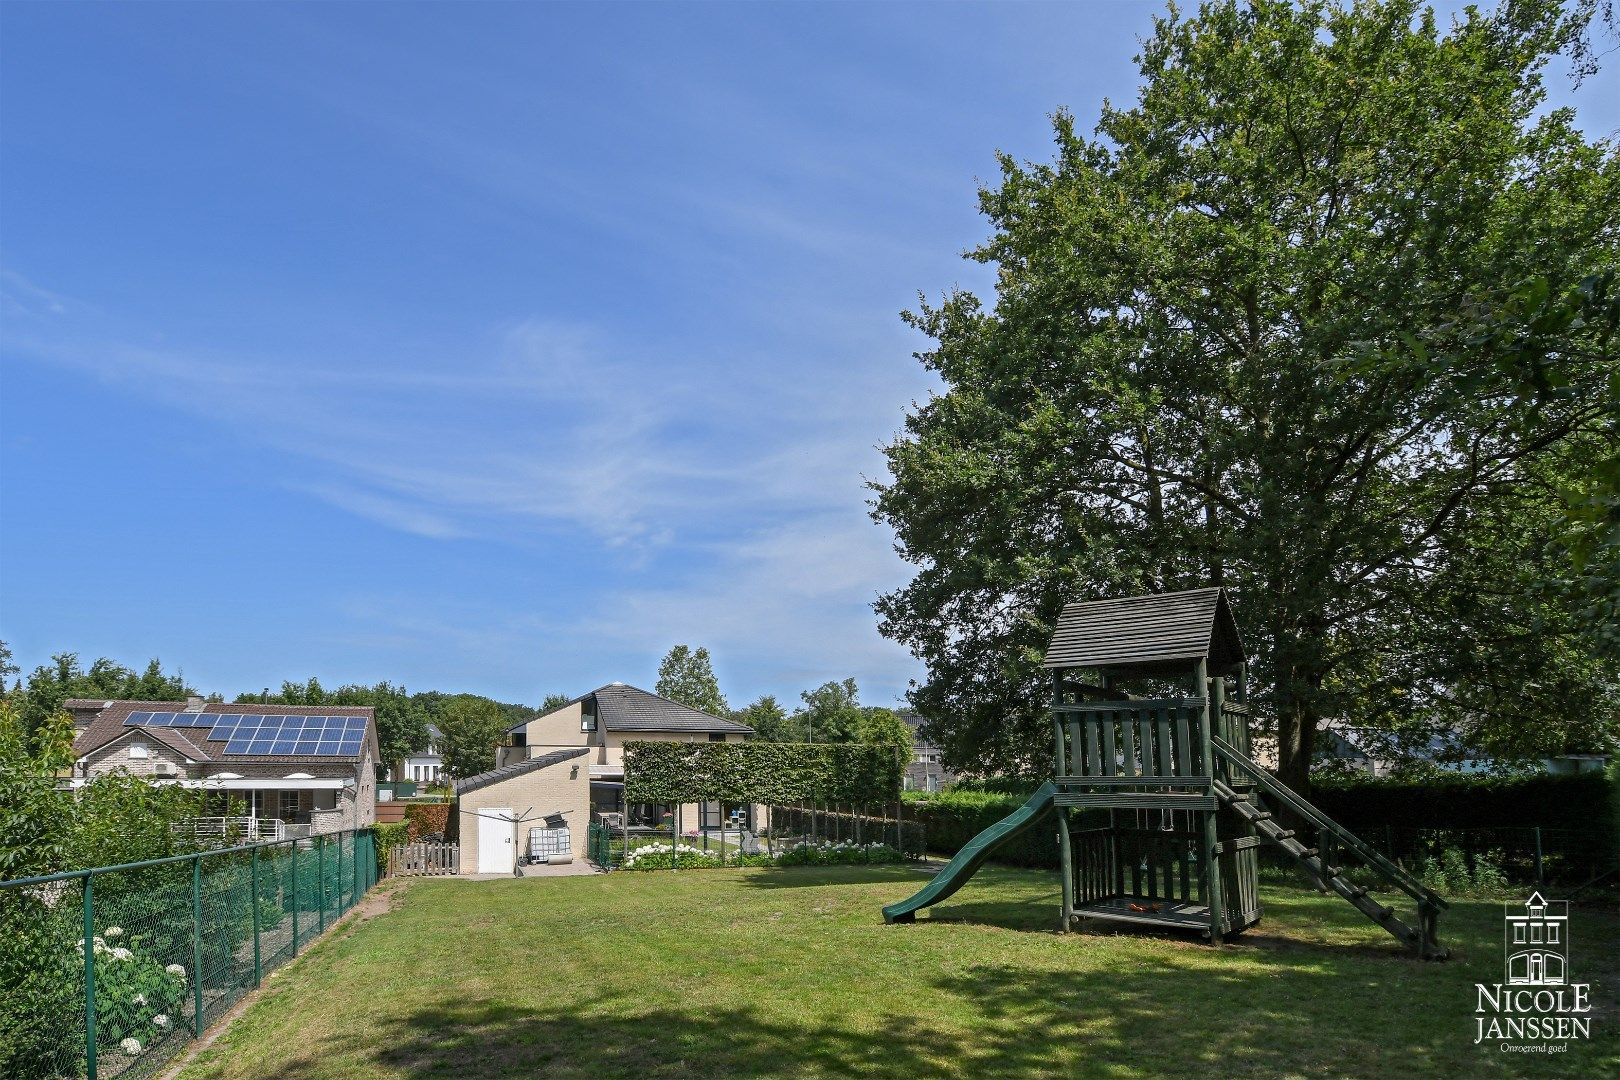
{"points": [[64, 677], [686, 675], [831, 713], [769, 720], [473, 726], [1165, 391]]}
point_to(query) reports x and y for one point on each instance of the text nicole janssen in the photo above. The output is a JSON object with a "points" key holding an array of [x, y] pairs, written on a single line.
{"points": [[1513, 1012]]}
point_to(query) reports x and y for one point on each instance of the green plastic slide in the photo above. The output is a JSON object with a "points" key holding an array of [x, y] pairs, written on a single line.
{"points": [[972, 856]]}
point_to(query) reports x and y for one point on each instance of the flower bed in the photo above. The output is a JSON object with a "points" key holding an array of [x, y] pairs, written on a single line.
{"points": [[659, 856]]}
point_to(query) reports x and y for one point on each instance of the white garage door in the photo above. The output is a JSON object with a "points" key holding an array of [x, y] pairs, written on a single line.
{"points": [[495, 840]]}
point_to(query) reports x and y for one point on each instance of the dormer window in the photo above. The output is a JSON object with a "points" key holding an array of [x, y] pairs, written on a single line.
{"points": [[587, 721]]}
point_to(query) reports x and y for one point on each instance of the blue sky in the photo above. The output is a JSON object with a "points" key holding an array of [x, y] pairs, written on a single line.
{"points": [[492, 348]]}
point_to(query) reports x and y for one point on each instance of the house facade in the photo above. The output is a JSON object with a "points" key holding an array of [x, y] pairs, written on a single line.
{"points": [[602, 721], [926, 771], [423, 767], [274, 771]]}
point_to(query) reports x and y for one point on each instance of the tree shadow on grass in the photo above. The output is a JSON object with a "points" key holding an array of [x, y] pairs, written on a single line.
{"points": [[810, 877], [1278, 1015]]}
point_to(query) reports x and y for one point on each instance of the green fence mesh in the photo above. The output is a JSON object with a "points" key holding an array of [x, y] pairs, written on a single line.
{"points": [[158, 951]]}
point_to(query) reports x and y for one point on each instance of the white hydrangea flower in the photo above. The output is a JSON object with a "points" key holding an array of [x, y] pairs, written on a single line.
{"points": [[138, 999], [176, 969], [161, 1022], [130, 1046], [113, 932], [122, 954]]}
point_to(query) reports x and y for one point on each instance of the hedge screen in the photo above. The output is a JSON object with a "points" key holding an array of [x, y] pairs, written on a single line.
{"points": [[761, 772]]}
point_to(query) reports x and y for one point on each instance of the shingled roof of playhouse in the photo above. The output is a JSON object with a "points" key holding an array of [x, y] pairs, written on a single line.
{"points": [[1155, 631]]}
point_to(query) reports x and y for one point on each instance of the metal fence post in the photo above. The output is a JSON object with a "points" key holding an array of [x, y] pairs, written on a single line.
{"points": [[320, 853], [89, 977], [258, 962], [297, 899], [196, 946]]}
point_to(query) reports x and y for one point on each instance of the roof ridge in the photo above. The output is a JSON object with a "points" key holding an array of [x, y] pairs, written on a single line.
{"points": [[1148, 596], [518, 768]]}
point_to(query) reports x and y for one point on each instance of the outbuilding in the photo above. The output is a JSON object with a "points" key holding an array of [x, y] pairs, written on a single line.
{"points": [[535, 810]]}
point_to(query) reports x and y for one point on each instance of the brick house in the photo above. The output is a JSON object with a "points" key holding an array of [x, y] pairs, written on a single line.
{"points": [[603, 721], [279, 770], [565, 767], [926, 770]]}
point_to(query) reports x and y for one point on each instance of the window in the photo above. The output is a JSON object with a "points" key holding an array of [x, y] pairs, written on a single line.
{"points": [[1552, 933], [717, 736], [1518, 933], [1535, 933], [289, 805], [138, 750], [587, 721]]}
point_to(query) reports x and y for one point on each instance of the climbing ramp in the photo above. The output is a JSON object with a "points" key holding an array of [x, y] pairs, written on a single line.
{"points": [[1159, 809]]}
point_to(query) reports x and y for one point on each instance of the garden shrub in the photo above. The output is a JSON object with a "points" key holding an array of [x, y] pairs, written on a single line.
{"points": [[426, 819], [1451, 872], [138, 997], [804, 853], [388, 837]]}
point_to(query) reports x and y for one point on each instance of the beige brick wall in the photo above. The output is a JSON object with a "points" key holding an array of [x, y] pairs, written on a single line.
{"points": [[562, 788], [557, 730], [120, 755], [613, 752], [365, 793]]}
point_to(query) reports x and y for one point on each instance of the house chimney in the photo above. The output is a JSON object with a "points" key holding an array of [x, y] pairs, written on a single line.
{"points": [[194, 703]]}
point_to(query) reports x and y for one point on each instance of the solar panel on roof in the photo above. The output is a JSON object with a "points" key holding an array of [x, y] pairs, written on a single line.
{"points": [[297, 733], [137, 718]]}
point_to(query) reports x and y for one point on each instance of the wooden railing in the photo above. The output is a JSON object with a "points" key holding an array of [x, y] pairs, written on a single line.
{"points": [[423, 860]]}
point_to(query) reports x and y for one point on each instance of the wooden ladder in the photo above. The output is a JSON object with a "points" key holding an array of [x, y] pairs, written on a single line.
{"points": [[1319, 863]]}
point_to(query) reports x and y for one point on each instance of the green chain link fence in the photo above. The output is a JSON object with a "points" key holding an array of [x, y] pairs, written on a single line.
{"points": [[110, 972]]}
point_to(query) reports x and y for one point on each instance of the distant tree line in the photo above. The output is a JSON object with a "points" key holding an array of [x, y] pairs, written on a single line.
{"points": [[831, 713], [471, 725]]}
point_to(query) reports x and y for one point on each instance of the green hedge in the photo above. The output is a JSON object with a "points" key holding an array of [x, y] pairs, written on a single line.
{"points": [[426, 819], [761, 772], [951, 818], [1586, 805]]}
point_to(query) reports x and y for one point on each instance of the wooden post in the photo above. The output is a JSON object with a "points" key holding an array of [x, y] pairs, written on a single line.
{"points": [[1212, 872], [1065, 855]]}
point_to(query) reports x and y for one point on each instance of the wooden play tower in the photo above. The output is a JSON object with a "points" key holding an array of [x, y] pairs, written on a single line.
{"points": [[1160, 807], [1168, 854]]}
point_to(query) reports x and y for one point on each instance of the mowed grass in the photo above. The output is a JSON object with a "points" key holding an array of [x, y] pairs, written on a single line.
{"points": [[724, 973]]}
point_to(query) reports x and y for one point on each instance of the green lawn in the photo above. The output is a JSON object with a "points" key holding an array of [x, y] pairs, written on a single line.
{"points": [[721, 973]]}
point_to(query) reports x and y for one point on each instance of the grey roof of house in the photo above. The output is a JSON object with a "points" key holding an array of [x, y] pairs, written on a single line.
{"points": [[518, 768], [1147, 631], [621, 707]]}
